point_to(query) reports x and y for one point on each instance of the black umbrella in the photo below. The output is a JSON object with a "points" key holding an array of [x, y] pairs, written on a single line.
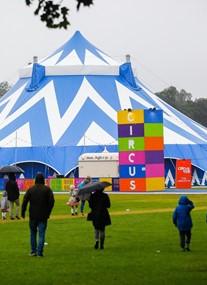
{"points": [[10, 169], [93, 186]]}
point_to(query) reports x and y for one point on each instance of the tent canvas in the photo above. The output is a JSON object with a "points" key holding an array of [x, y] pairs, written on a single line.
{"points": [[66, 105]]}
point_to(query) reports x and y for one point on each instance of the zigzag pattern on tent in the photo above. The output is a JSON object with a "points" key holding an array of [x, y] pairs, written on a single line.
{"points": [[73, 109]]}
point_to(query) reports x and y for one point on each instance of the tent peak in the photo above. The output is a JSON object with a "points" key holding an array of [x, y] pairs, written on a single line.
{"points": [[76, 57]]}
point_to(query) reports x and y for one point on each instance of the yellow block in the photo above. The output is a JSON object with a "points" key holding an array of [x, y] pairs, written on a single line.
{"points": [[67, 182], [155, 184], [108, 179], [130, 117]]}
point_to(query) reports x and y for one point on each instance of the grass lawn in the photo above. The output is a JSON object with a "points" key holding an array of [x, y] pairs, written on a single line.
{"points": [[141, 246]]}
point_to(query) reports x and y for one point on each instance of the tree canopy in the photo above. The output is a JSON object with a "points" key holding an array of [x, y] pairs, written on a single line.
{"points": [[182, 101], [55, 15]]}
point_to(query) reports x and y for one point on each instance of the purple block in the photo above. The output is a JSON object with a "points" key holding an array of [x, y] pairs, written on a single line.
{"points": [[154, 156], [131, 130]]}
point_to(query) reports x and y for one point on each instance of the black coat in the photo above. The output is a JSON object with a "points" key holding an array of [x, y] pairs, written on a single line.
{"points": [[41, 201], [12, 190], [99, 202]]}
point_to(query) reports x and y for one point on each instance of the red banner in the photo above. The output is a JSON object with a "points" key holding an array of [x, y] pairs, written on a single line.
{"points": [[183, 174]]}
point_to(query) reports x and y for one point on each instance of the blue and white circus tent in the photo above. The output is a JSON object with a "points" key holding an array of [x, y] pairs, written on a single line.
{"points": [[66, 105]]}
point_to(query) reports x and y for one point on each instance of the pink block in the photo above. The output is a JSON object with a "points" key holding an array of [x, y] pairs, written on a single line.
{"points": [[78, 181], [155, 170], [131, 157], [20, 183]]}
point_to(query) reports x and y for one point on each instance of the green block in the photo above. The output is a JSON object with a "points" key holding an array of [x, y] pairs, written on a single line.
{"points": [[153, 130], [131, 143], [56, 184]]}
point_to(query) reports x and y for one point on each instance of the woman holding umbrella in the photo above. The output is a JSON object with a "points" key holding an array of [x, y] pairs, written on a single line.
{"points": [[12, 190], [99, 203]]}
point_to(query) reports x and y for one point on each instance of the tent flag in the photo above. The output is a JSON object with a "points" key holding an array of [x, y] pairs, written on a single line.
{"points": [[127, 73], [38, 72]]}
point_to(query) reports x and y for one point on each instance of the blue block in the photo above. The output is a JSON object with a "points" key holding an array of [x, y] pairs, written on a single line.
{"points": [[132, 171], [153, 116]]}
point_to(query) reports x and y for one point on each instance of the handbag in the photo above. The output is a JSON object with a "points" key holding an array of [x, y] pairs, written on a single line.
{"points": [[90, 216]]}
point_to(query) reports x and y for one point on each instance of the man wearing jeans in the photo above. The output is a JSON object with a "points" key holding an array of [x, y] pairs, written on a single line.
{"points": [[41, 201]]}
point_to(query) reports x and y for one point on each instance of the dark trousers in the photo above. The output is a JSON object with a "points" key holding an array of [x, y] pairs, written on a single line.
{"points": [[185, 238], [100, 233], [40, 227]]}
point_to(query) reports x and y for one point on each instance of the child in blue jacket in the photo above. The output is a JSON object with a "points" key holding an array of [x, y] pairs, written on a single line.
{"points": [[183, 221]]}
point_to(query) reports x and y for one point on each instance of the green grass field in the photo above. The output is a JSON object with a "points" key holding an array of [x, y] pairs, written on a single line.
{"points": [[141, 246]]}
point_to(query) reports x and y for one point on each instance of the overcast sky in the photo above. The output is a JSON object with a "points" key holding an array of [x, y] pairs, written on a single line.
{"points": [[167, 39]]}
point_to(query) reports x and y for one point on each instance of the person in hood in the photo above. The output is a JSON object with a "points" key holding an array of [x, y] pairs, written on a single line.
{"points": [[183, 221], [41, 200]]}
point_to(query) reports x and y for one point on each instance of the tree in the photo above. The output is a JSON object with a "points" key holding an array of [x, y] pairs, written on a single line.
{"points": [[175, 98], [182, 101], [55, 15], [4, 87], [200, 111]]}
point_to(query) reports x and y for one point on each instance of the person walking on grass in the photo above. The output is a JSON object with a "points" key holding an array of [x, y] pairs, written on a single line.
{"points": [[86, 196], [183, 221], [99, 203], [12, 190], [41, 201]]}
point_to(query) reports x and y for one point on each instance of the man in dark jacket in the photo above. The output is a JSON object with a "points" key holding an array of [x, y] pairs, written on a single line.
{"points": [[183, 221], [41, 201], [99, 202]]}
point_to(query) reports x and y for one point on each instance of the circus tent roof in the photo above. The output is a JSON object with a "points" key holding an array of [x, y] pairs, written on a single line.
{"points": [[67, 103]]}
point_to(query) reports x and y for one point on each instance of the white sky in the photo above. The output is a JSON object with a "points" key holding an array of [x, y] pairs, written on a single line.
{"points": [[167, 39]]}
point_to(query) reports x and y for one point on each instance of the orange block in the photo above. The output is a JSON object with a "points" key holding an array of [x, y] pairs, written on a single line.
{"points": [[132, 184], [28, 183], [154, 143]]}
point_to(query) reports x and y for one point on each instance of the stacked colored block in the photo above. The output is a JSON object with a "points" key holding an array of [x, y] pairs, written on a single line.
{"points": [[28, 183], [67, 182], [141, 150], [115, 184], [109, 188], [20, 183], [56, 184]]}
